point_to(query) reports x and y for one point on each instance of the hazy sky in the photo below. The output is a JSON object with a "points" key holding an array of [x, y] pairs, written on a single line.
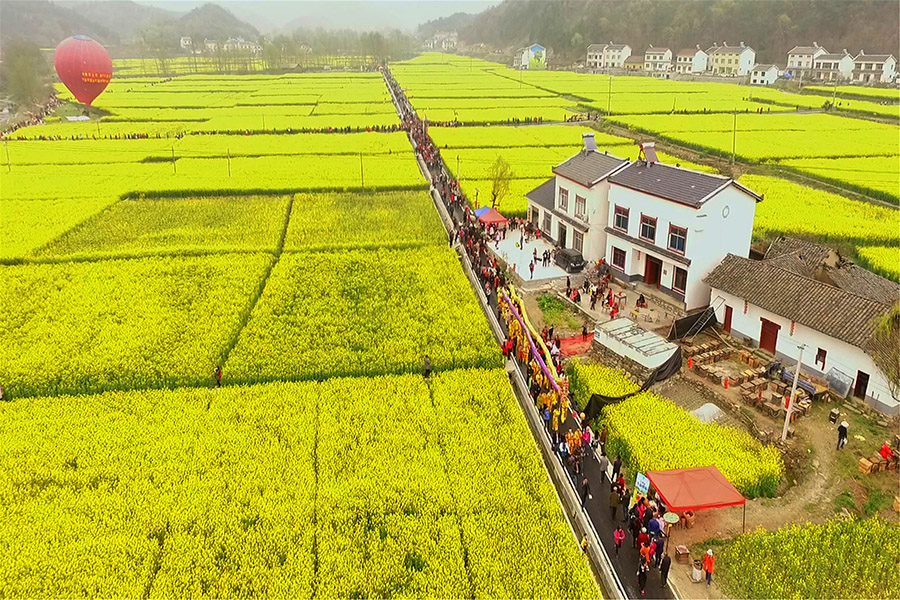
{"points": [[270, 15]]}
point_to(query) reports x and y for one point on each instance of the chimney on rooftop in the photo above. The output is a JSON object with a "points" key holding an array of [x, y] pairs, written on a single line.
{"points": [[742, 44], [698, 46], [844, 51], [815, 44]]}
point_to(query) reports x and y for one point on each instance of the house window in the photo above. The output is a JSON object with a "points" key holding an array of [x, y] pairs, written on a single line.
{"points": [[620, 221], [548, 221], [580, 204], [677, 239], [563, 199], [820, 358], [648, 228], [578, 241], [680, 282], [618, 258]]}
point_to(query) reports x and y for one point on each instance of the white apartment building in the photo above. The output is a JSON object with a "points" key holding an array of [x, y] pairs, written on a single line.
{"points": [[657, 60], [691, 61], [607, 56], [571, 207], [874, 68], [801, 59], [763, 75], [668, 227]]}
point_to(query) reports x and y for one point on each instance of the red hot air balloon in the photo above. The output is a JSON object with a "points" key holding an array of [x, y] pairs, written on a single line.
{"points": [[83, 66]]}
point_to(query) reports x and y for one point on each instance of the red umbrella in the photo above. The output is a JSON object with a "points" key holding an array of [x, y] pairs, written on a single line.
{"points": [[83, 66]]}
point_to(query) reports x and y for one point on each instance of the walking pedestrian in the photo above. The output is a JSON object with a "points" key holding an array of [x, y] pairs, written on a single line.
{"points": [[842, 434], [584, 543], [642, 576], [618, 537], [604, 467], [660, 548], [584, 332], [646, 552], [617, 464], [427, 369], [603, 434], [709, 564], [664, 569], [218, 375], [585, 491], [614, 505], [643, 539]]}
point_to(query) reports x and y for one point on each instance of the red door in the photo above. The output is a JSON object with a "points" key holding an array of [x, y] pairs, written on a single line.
{"points": [[768, 335], [728, 313], [652, 271]]}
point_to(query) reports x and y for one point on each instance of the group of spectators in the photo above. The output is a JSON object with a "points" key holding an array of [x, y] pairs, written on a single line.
{"points": [[35, 117]]}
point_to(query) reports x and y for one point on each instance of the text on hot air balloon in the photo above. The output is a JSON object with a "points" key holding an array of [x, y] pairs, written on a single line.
{"points": [[94, 77]]}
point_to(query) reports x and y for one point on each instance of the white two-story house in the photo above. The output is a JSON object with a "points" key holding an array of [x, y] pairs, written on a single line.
{"points": [[571, 208], [833, 67], [801, 59], [691, 61], [874, 68], [607, 56], [668, 227], [657, 60]]}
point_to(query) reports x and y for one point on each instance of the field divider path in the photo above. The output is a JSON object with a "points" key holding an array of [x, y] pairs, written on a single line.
{"points": [[279, 248]]}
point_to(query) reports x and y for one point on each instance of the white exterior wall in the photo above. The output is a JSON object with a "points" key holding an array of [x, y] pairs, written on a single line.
{"points": [[839, 355], [594, 221], [710, 235], [699, 61], [746, 61], [764, 77], [615, 59]]}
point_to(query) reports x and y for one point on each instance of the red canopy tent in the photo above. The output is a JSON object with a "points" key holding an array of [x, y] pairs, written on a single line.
{"points": [[695, 489], [493, 217]]}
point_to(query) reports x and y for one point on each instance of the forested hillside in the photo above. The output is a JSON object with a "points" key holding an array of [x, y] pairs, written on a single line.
{"points": [[772, 27]]}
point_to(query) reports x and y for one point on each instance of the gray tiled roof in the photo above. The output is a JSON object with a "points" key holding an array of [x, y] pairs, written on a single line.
{"points": [[588, 167], [873, 57], [831, 57], [817, 305], [671, 183], [689, 52], [805, 50], [543, 194], [763, 67], [727, 49], [616, 46], [595, 47], [820, 262]]}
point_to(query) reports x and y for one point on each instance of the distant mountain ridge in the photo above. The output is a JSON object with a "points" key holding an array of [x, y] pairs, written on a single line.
{"points": [[116, 22], [771, 27]]}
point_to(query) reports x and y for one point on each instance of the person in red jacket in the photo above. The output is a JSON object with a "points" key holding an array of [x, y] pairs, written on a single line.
{"points": [[618, 537], [709, 564]]}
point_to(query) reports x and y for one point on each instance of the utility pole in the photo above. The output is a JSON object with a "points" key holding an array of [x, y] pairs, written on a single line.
{"points": [[229, 161], [790, 408], [98, 127], [834, 96], [264, 122], [6, 145], [362, 177], [609, 92], [733, 137], [458, 178], [173, 160]]}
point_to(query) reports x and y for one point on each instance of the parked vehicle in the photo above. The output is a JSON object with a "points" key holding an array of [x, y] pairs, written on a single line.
{"points": [[570, 260]]}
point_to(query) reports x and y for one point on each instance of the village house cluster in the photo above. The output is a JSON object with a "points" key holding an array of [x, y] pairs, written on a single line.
{"points": [[809, 63], [685, 237]]}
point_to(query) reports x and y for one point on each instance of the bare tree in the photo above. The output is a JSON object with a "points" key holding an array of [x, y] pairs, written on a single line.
{"points": [[501, 174], [886, 347]]}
